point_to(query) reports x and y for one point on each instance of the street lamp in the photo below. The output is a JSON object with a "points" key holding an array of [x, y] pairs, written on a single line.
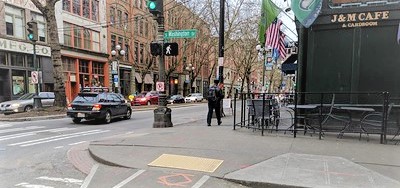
{"points": [[190, 68], [116, 53]]}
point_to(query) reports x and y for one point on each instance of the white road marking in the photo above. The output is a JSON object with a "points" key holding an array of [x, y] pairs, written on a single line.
{"points": [[65, 180], [127, 180], [27, 185], [201, 181], [5, 125], [8, 137], [55, 138], [88, 178], [63, 138], [48, 138], [58, 147], [76, 143], [20, 129]]}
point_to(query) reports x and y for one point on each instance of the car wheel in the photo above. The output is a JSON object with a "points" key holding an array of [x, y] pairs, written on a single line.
{"points": [[107, 118], [128, 114], [28, 108], [76, 120], [148, 103]]}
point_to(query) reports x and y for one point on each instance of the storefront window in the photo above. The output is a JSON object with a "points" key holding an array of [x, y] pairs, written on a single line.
{"points": [[17, 59], [18, 82], [84, 66], [98, 68], [3, 58], [31, 86], [68, 64]]}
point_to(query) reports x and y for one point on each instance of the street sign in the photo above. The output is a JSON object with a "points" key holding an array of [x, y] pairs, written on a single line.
{"points": [[171, 49], [35, 77], [189, 33], [160, 86], [115, 80], [114, 67]]}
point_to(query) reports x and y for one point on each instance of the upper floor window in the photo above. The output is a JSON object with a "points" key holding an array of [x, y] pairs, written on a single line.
{"points": [[112, 16], [41, 23], [79, 37], [85, 8], [15, 25]]}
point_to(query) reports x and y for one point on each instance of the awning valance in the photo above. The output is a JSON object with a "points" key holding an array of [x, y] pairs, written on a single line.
{"points": [[138, 77], [148, 79], [289, 66]]}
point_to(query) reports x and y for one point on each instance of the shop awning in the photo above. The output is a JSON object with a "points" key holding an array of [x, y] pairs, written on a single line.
{"points": [[138, 77], [148, 79], [289, 66]]}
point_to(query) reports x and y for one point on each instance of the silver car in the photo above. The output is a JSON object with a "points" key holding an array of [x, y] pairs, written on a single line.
{"points": [[25, 103]]}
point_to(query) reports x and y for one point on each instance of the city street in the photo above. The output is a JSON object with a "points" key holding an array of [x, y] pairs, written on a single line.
{"points": [[35, 154]]}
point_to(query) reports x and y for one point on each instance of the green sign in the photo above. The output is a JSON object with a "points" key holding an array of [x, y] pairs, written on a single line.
{"points": [[189, 33]]}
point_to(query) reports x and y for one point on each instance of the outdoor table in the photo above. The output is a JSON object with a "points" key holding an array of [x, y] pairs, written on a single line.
{"points": [[350, 111], [300, 106]]}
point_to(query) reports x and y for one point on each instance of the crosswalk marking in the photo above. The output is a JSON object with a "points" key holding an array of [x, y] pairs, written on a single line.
{"points": [[19, 135], [21, 129], [56, 138], [5, 125], [28, 185], [64, 180], [76, 143], [130, 178]]}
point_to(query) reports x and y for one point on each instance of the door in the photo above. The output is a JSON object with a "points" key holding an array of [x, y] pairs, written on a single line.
{"points": [[111, 104], [117, 104]]}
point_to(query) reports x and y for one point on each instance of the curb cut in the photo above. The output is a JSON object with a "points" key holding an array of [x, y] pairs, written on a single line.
{"points": [[61, 116]]}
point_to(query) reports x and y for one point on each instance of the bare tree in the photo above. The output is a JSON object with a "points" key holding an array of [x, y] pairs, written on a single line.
{"points": [[48, 11]]}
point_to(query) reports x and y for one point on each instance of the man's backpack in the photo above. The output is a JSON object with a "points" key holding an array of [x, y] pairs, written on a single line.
{"points": [[213, 93]]}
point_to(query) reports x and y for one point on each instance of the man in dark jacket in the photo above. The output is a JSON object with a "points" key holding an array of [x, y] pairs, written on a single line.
{"points": [[214, 98]]}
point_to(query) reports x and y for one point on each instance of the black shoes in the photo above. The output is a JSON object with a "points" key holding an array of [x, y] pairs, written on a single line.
{"points": [[219, 122], [208, 124]]}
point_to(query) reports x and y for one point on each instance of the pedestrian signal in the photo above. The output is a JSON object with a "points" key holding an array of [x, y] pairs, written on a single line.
{"points": [[171, 49]]}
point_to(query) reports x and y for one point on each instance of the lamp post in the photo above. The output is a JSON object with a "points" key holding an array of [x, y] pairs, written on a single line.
{"points": [[190, 68], [262, 51], [116, 53]]}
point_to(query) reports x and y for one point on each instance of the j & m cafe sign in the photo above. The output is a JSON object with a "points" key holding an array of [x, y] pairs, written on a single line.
{"points": [[364, 19]]}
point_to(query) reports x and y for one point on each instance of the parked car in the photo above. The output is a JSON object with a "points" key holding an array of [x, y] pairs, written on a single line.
{"points": [[25, 103], [176, 99], [148, 98], [194, 97], [99, 106]]}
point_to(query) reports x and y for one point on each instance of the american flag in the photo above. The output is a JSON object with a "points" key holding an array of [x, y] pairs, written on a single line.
{"points": [[281, 46], [273, 34]]}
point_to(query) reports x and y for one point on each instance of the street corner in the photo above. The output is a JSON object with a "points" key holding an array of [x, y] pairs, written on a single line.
{"points": [[80, 158]]}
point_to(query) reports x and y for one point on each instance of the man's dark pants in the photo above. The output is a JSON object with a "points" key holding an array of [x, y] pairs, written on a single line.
{"points": [[213, 105]]}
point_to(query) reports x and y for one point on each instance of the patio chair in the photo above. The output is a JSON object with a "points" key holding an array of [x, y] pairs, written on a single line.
{"points": [[372, 123], [256, 111]]}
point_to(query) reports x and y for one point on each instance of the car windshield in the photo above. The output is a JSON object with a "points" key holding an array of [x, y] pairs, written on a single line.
{"points": [[174, 96], [27, 96], [86, 98]]}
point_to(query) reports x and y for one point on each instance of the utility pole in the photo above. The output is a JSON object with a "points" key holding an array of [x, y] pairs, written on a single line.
{"points": [[162, 114], [221, 41]]}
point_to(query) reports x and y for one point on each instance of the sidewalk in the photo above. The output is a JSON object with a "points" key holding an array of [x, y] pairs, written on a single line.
{"points": [[248, 158]]}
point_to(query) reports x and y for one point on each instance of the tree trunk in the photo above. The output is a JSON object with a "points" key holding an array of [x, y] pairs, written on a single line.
{"points": [[59, 89]]}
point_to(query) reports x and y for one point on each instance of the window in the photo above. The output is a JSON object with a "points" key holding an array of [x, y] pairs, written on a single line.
{"points": [[17, 59], [76, 7], [112, 16], [77, 37], [113, 42], [86, 8], [120, 40], [84, 66], [141, 28], [41, 26], [86, 39], [126, 21], [95, 10], [140, 4], [68, 64], [127, 50], [136, 57], [96, 41], [18, 82], [3, 58], [15, 22], [67, 5], [68, 34], [120, 22], [141, 53], [146, 29], [98, 68]]}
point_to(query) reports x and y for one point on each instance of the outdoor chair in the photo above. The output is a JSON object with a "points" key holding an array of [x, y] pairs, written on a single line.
{"points": [[372, 123], [256, 112]]}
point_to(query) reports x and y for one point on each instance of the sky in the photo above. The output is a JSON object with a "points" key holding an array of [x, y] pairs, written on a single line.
{"points": [[289, 27]]}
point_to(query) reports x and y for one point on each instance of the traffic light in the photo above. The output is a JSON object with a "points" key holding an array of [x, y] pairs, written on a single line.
{"points": [[155, 49], [155, 7], [32, 31], [171, 49]]}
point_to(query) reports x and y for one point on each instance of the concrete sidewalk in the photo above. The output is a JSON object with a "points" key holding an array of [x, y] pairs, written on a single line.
{"points": [[249, 158]]}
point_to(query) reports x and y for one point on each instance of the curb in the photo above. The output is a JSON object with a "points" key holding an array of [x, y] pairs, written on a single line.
{"points": [[34, 118], [260, 184]]}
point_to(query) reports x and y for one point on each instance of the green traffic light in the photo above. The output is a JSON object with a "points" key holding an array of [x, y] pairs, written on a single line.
{"points": [[30, 36], [152, 5]]}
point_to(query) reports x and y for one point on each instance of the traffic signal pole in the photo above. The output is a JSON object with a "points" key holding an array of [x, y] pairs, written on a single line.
{"points": [[162, 114]]}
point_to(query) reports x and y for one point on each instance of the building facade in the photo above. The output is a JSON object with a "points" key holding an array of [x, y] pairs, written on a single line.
{"points": [[16, 51], [83, 36]]}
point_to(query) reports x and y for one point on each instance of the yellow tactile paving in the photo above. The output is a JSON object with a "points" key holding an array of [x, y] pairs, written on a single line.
{"points": [[187, 162]]}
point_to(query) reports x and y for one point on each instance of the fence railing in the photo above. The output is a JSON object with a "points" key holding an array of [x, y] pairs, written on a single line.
{"points": [[319, 112]]}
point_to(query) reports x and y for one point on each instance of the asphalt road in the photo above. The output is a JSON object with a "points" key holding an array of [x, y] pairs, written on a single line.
{"points": [[34, 154]]}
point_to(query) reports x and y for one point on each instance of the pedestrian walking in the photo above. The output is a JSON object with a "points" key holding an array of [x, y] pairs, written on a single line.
{"points": [[214, 103]]}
